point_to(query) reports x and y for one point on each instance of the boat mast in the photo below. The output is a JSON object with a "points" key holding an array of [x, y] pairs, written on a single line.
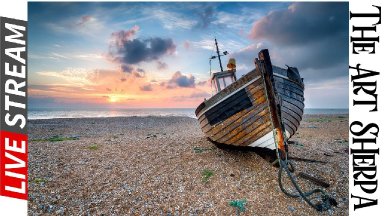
{"points": [[218, 55]]}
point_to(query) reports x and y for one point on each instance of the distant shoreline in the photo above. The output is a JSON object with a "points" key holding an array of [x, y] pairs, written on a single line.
{"points": [[66, 113], [155, 116]]}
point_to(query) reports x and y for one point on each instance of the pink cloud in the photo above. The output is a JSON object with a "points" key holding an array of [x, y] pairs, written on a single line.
{"points": [[120, 38]]}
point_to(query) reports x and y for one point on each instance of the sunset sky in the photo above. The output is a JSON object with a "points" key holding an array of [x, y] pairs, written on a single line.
{"points": [[133, 55]]}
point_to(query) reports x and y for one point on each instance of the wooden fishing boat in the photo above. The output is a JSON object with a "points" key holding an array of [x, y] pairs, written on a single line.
{"points": [[254, 109]]}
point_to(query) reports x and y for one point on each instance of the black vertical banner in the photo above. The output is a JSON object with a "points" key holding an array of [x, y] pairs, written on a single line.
{"points": [[13, 75], [13, 126]]}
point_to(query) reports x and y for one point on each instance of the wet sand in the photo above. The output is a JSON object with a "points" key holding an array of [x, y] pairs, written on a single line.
{"points": [[165, 166]]}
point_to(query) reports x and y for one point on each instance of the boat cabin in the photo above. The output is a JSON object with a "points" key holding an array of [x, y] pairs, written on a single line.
{"points": [[221, 80]]}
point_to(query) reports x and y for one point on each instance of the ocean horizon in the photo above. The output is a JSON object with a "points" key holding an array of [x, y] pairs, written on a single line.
{"points": [[54, 113]]}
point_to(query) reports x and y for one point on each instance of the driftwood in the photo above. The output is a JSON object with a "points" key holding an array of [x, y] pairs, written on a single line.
{"points": [[295, 143], [315, 180], [307, 160]]}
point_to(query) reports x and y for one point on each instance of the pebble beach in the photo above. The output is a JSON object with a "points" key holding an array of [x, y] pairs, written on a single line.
{"points": [[165, 166]]}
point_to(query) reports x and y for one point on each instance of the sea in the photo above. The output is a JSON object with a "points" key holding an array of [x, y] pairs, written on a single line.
{"points": [[51, 113]]}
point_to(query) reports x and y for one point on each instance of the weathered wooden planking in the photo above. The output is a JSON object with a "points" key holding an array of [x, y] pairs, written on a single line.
{"points": [[229, 89], [291, 113], [288, 90], [298, 104], [279, 70], [286, 84], [299, 99], [256, 134], [292, 108], [293, 76], [315, 179], [257, 97], [241, 121], [289, 124], [255, 94], [288, 128], [232, 103], [290, 118], [250, 131], [228, 107], [259, 129], [290, 94], [207, 127], [252, 87], [245, 125], [237, 119]]}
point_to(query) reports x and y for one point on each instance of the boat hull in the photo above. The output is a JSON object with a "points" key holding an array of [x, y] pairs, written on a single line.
{"points": [[290, 88], [240, 114]]}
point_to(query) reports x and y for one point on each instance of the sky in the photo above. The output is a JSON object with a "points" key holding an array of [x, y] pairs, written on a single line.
{"points": [[156, 55]]}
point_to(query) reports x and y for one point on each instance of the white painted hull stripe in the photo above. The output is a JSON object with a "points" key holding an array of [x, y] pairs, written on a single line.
{"points": [[264, 139]]}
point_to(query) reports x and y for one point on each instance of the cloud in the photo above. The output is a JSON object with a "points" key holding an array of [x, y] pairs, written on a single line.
{"points": [[86, 25], [85, 19], [104, 88], [310, 36], [130, 69], [127, 68], [136, 50], [147, 87], [202, 83], [74, 76], [180, 80], [200, 95], [235, 21], [161, 65], [206, 16], [187, 44], [83, 85], [302, 23], [120, 38], [207, 44], [68, 56], [321, 54], [172, 20], [128, 51]]}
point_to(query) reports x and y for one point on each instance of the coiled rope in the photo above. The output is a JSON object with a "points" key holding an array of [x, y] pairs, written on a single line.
{"points": [[327, 200]]}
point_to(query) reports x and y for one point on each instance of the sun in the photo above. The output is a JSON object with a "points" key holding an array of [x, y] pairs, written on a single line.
{"points": [[113, 99]]}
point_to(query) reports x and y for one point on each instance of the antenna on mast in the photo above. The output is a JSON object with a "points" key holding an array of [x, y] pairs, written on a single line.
{"points": [[218, 55]]}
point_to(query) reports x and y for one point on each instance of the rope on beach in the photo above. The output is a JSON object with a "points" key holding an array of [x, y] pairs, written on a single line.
{"points": [[327, 200]]}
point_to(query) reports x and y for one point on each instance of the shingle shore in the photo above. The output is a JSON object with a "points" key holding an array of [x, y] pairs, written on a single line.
{"points": [[165, 166]]}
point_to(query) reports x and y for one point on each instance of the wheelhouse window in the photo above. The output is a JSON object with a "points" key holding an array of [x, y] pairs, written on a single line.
{"points": [[228, 80], [221, 80], [221, 83]]}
